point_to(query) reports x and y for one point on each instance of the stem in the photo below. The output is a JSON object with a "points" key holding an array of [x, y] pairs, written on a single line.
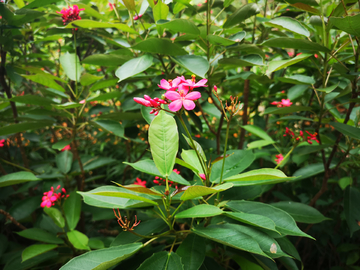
{"points": [[177, 208], [225, 148], [13, 220], [287, 155], [245, 110]]}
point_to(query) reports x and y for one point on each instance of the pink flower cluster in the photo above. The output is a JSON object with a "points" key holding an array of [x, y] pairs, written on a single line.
{"points": [[160, 181], [282, 103], [52, 196], [308, 139], [2, 143], [137, 17], [66, 148], [70, 14], [139, 182], [179, 94], [279, 158]]}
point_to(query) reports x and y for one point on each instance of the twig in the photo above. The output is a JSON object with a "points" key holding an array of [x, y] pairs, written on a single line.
{"points": [[13, 220]]}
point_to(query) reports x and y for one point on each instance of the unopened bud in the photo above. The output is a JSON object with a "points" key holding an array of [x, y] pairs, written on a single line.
{"points": [[215, 88], [166, 192]]}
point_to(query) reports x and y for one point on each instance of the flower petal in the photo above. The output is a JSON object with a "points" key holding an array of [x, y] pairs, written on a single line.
{"points": [[172, 95], [188, 104], [201, 83], [176, 105], [164, 84], [193, 95]]}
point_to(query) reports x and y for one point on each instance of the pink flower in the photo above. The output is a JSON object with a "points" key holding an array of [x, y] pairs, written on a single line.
{"points": [[82, 101], [137, 17], [171, 84], [151, 102], [279, 158], [202, 176], [192, 84], [286, 102], [51, 197], [70, 14], [2, 143], [111, 6], [182, 98], [68, 147], [215, 88], [139, 182]]}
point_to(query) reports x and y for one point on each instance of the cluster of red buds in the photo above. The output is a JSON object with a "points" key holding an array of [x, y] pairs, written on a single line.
{"points": [[279, 158], [2, 143], [137, 17], [308, 139], [125, 224], [70, 14], [53, 196], [160, 181], [282, 103], [154, 103], [139, 182]]}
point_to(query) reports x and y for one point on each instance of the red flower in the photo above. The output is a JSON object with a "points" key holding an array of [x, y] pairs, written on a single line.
{"points": [[51, 197], [2, 143], [70, 14], [68, 147], [202, 176], [279, 158], [139, 182]]}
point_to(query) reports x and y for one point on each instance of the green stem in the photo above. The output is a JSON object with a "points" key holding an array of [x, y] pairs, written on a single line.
{"points": [[225, 148], [177, 208], [76, 71], [287, 155]]}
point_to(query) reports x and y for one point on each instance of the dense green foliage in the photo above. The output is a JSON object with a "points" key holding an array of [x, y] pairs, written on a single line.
{"points": [[261, 174]]}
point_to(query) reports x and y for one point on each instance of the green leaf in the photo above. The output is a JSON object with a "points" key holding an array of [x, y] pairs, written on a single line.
{"points": [[17, 178], [106, 60], [97, 24], [33, 100], [145, 112], [307, 2], [19, 3], [64, 161], [289, 24], [201, 210], [68, 105], [351, 208], [298, 79], [230, 235], [190, 157], [288, 247], [15, 261], [56, 216], [148, 166], [310, 170], [258, 177], [258, 144], [87, 79], [277, 65], [71, 65], [186, 165], [110, 126], [72, 209], [129, 4], [348, 24], [257, 132], [35, 250], [247, 60], [246, 264], [164, 142], [134, 66], [102, 259], [301, 212], [102, 97], [192, 252], [180, 25], [193, 192], [241, 14], [78, 240], [285, 224], [103, 84], [160, 46], [41, 236], [160, 11], [295, 43], [162, 261], [254, 220], [347, 130], [44, 80], [193, 63], [217, 40], [95, 198], [344, 182], [90, 11], [197, 146], [296, 91], [284, 110]]}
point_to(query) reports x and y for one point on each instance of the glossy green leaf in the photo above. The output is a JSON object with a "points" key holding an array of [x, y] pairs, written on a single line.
{"points": [[72, 209], [90, 11], [351, 208], [298, 79], [197, 146], [41, 236], [310, 170], [160, 46], [192, 252], [258, 177], [295, 43], [103, 84], [347, 130], [246, 264], [164, 142], [200, 211], [110, 126], [17, 178], [241, 14], [68, 105], [296, 91], [87, 79], [348, 24], [345, 181], [44, 80], [134, 66], [258, 144], [280, 64], [102, 259], [193, 192], [78, 240], [141, 189], [15, 261], [64, 161], [217, 40], [193, 63], [253, 219], [257, 131], [106, 60], [33, 100], [95, 243], [247, 60], [190, 157], [288, 247], [180, 25], [230, 235], [160, 11], [186, 165], [71, 65], [301, 212], [284, 223], [148, 166], [289, 24], [35, 250], [162, 261], [95, 198], [56, 216], [285, 110], [97, 24]]}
